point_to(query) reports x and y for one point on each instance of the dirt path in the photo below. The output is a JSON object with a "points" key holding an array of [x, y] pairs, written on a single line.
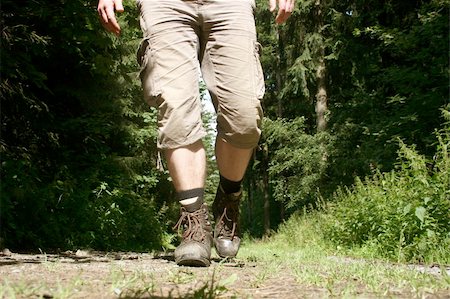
{"points": [[136, 275], [84, 274]]}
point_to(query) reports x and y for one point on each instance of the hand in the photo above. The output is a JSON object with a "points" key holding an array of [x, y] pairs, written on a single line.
{"points": [[285, 9], [106, 10]]}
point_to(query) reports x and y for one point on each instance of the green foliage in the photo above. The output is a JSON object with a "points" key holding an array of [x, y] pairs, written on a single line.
{"points": [[78, 148], [386, 73], [209, 121], [389, 81], [298, 161], [402, 214]]}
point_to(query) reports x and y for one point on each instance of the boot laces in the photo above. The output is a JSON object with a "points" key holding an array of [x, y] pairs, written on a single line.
{"points": [[228, 220], [191, 222]]}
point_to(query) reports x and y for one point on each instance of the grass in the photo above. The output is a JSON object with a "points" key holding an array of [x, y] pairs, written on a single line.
{"points": [[134, 284], [26, 289], [299, 247]]}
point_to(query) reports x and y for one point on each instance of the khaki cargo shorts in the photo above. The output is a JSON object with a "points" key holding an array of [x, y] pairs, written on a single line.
{"points": [[218, 37]]}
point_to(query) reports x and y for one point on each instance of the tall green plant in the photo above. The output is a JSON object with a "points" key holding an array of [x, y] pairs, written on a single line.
{"points": [[402, 214]]}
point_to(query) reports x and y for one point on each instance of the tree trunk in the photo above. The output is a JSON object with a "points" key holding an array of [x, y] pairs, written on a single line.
{"points": [[266, 190], [321, 95], [281, 76], [281, 71], [282, 212], [250, 192]]}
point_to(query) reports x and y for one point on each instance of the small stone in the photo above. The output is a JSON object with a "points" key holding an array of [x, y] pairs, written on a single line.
{"points": [[82, 253], [117, 256], [6, 252]]}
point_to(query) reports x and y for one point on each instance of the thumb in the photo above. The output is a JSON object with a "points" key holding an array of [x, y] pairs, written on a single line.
{"points": [[272, 5], [118, 5]]}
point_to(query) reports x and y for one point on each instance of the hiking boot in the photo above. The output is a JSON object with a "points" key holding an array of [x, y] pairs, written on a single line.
{"points": [[226, 232], [195, 247]]}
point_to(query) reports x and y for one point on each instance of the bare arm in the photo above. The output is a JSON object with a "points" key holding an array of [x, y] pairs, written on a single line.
{"points": [[106, 10], [285, 9]]}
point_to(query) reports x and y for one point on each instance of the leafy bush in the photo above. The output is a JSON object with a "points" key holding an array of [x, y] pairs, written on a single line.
{"points": [[403, 214]]}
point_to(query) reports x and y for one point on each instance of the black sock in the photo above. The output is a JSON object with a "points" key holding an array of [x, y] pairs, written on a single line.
{"points": [[230, 186], [186, 194]]}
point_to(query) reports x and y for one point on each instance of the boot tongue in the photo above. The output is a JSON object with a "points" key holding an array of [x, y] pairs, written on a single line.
{"points": [[236, 195], [194, 206]]}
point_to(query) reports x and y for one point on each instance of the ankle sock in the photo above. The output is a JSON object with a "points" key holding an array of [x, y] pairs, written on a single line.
{"points": [[191, 199], [230, 186]]}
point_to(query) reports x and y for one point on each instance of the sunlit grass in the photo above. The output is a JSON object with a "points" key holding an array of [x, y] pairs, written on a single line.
{"points": [[136, 283], [299, 248], [60, 289]]}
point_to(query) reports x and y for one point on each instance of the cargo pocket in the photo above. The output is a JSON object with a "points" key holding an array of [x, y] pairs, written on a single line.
{"points": [[148, 73], [259, 75], [141, 54]]}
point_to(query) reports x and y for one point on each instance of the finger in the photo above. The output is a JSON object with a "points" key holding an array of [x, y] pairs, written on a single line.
{"points": [[118, 5], [281, 5], [107, 25], [272, 5], [284, 18], [112, 20], [291, 6], [285, 12], [103, 15], [281, 18], [107, 16], [281, 11]]}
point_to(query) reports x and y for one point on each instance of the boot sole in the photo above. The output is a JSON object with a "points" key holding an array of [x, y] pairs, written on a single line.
{"points": [[193, 262]]}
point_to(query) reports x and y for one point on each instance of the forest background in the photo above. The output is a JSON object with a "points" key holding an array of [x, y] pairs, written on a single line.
{"points": [[356, 128]]}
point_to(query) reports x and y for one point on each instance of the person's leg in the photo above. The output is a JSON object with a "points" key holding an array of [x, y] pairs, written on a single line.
{"points": [[187, 168], [233, 75], [232, 161], [169, 60]]}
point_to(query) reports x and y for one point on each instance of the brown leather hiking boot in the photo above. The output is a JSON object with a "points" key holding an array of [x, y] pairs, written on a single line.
{"points": [[195, 248], [226, 232]]}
